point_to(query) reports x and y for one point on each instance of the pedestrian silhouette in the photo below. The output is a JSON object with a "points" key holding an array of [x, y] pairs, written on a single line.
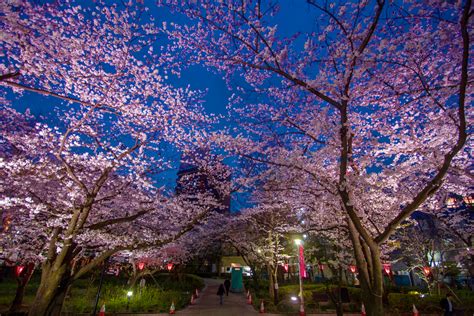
{"points": [[447, 305], [221, 292], [227, 286]]}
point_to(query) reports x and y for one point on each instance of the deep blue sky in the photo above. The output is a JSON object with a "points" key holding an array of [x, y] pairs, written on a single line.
{"points": [[294, 16]]}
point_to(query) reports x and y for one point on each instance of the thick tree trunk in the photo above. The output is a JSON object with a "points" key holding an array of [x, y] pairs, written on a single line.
{"points": [[18, 300], [23, 281], [367, 255], [271, 284], [275, 287], [372, 287], [51, 291]]}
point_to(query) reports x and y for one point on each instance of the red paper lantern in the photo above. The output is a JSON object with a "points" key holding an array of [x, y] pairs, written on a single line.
{"points": [[353, 268], [169, 266], [285, 266], [19, 270], [387, 268], [141, 265], [426, 271], [321, 266]]}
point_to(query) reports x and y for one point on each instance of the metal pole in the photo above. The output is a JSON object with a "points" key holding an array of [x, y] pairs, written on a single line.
{"points": [[299, 276], [100, 287]]}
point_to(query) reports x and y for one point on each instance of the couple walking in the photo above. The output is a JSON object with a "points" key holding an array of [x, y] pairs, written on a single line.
{"points": [[223, 288]]}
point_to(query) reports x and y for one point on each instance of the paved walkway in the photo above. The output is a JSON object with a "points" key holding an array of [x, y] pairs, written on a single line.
{"points": [[208, 303]]}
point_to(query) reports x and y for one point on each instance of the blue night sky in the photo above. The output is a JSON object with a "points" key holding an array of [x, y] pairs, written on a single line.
{"points": [[293, 16]]}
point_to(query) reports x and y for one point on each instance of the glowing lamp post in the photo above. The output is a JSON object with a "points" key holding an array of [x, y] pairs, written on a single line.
{"points": [[129, 296], [299, 244]]}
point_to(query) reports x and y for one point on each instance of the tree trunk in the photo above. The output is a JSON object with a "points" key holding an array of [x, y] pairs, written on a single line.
{"points": [[256, 281], [367, 255], [23, 281], [335, 294], [275, 287], [51, 291], [271, 285]]}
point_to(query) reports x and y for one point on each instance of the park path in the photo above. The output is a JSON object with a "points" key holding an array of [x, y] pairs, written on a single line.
{"points": [[208, 303]]}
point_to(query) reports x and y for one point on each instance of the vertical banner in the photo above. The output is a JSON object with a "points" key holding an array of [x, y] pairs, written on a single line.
{"points": [[302, 264]]}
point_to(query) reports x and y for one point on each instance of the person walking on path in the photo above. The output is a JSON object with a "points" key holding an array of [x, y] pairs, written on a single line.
{"points": [[227, 286], [221, 292], [447, 305]]}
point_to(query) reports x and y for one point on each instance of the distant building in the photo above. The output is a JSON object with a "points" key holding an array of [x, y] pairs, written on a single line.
{"points": [[214, 180]]}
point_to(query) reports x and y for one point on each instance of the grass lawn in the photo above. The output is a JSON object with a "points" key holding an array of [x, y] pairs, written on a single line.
{"points": [[156, 296], [396, 303]]}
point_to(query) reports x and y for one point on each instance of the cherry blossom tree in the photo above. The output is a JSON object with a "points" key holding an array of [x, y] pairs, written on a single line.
{"points": [[456, 221], [268, 228], [264, 241], [44, 199], [86, 184], [149, 261], [418, 248], [371, 105]]}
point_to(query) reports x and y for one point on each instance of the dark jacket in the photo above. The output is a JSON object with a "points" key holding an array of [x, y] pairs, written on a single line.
{"points": [[227, 284], [445, 306], [221, 290]]}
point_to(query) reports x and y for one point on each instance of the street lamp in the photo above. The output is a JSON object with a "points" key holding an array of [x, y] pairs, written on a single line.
{"points": [[129, 296], [298, 243]]}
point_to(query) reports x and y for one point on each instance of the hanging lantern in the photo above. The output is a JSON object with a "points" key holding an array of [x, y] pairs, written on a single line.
{"points": [[426, 271], [19, 270], [169, 266], [321, 267], [387, 268], [285, 267], [141, 265], [353, 268]]}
